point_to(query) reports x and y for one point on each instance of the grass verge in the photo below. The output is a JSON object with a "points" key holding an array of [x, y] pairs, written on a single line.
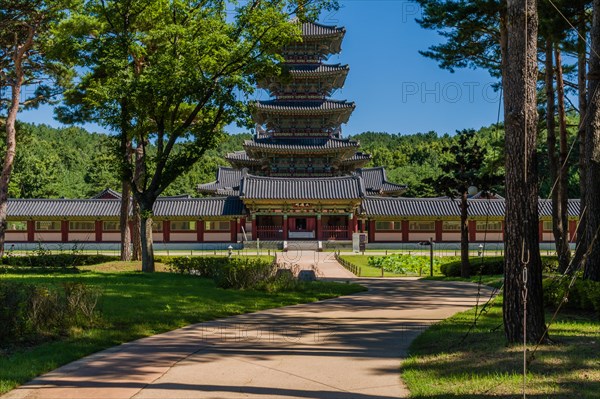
{"points": [[366, 270], [441, 365], [493, 280], [136, 305]]}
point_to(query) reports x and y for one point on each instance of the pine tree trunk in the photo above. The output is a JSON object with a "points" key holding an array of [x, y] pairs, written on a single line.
{"points": [[147, 244], [9, 155], [521, 234], [592, 201], [465, 266], [553, 162], [581, 83], [561, 226]]}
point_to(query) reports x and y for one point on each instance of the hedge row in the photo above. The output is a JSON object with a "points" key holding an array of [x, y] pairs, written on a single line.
{"points": [[63, 260], [238, 273], [491, 265], [30, 312]]}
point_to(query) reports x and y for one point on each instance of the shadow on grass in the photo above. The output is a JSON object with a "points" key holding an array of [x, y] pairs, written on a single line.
{"points": [[445, 364]]}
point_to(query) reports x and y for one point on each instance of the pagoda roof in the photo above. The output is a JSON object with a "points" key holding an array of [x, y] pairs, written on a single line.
{"points": [[316, 30], [241, 157], [376, 181], [316, 70], [227, 183], [358, 157], [309, 145], [305, 107], [275, 188]]}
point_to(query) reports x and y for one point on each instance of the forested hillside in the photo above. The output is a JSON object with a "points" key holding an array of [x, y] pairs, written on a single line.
{"points": [[73, 163]]}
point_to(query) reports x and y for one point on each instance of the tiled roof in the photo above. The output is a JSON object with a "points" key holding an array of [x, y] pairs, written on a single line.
{"points": [[376, 181], [358, 157], [313, 29], [446, 207], [255, 187], [228, 181], [241, 157], [316, 69], [110, 208], [304, 107], [107, 194], [301, 145]]}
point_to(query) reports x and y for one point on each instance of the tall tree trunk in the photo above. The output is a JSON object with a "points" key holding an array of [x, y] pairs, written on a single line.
{"points": [[465, 266], [137, 220], [592, 140], [522, 222], [581, 83], [9, 155], [124, 221], [561, 226], [147, 244], [553, 162]]}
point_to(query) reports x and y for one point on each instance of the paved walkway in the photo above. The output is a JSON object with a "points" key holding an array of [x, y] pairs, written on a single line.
{"points": [[344, 348], [323, 263]]}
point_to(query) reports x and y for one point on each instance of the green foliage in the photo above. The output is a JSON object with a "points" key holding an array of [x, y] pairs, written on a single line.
{"points": [[583, 295], [32, 313], [237, 273], [405, 264]]}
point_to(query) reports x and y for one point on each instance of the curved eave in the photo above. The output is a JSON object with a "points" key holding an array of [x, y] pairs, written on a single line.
{"points": [[263, 114]]}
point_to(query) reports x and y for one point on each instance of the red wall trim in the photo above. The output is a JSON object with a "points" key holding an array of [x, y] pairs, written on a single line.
{"points": [[541, 231], [572, 230]]}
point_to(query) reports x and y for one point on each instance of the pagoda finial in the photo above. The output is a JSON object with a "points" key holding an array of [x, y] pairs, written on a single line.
{"points": [[301, 11]]}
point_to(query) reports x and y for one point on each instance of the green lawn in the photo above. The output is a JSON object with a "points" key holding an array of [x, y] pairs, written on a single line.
{"points": [[483, 366], [136, 305]]}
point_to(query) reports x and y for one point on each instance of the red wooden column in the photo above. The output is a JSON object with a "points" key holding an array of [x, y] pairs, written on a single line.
{"points": [[363, 222], [285, 227], [355, 224], [200, 231], [472, 231], [64, 230], [30, 231], [438, 230], [371, 231], [98, 230], [541, 231], [319, 228], [166, 231], [254, 232], [234, 229], [572, 230], [350, 226], [405, 232]]}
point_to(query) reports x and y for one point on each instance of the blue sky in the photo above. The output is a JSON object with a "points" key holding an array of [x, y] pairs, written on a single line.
{"points": [[396, 90]]}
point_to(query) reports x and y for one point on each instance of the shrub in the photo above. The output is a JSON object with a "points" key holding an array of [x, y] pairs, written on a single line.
{"points": [[584, 295], [485, 266], [404, 264], [227, 272], [32, 312]]}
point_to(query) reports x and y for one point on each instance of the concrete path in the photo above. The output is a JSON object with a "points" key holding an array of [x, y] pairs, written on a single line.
{"points": [[323, 263], [344, 348]]}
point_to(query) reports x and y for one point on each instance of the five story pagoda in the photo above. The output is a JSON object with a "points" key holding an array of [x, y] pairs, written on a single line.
{"points": [[298, 178]]}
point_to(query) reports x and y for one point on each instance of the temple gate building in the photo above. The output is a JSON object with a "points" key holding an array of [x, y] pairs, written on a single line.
{"points": [[297, 179]]}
